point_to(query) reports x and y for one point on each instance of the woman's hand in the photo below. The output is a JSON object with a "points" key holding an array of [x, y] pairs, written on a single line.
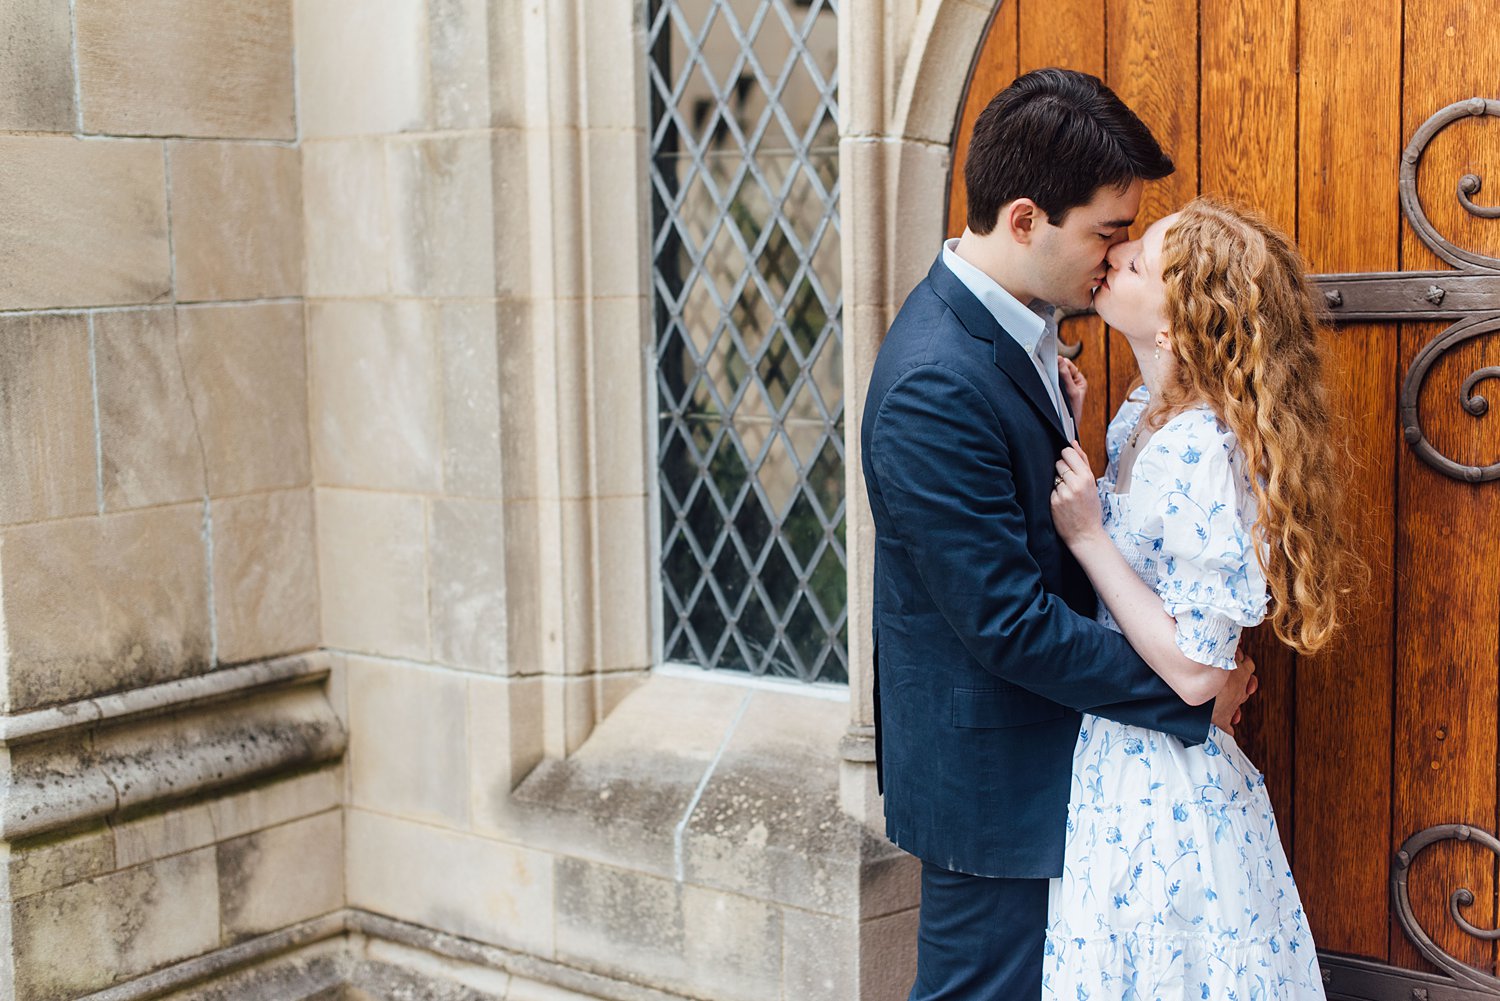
{"points": [[1074, 384], [1075, 499]]}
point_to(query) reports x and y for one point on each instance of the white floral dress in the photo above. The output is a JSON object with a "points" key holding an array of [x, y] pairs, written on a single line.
{"points": [[1174, 882]]}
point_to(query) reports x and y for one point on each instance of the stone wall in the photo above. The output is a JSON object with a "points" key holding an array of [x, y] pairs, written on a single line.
{"points": [[169, 783], [326, 583]]}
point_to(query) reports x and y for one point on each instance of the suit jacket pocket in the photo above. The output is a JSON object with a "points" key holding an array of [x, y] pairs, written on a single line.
{"points": [[993, 708]]}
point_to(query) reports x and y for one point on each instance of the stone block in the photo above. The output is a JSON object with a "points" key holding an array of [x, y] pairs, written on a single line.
{"points": [[681, 937], [82, 223], [443, 226], [236, 220], [372, 572], [619, 247], [508, 78], [471, 398], [36, 71], [768, 823], [246, 369], [375, 377], [466, 541], [522, 370], [346, 218], [512, 200], [614, 67], [505, 744], [158, 835], [623, 583], [457, 36], [920, 177], [102, 931], [622, 399], [276, 802], [362, 67], [178, 68], [621, 795], [47, 427], [46, 865], [408, 744], [265, 575], [281, 875], [464, 885], [149, 436], [97, 605], [820, 957], [888, 956]]}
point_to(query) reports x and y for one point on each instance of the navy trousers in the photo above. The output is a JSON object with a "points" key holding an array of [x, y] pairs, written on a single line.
{"points": [[980, 939]]}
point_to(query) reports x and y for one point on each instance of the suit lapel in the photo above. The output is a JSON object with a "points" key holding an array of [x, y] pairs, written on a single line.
{"points": [[1009, 358]]}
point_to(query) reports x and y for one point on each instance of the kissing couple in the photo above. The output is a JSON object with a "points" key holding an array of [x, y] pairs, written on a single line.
{"points": [[1057, 676]]}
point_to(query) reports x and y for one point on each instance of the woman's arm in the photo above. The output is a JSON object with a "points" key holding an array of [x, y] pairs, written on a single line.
{"points": [[1133, 603]]}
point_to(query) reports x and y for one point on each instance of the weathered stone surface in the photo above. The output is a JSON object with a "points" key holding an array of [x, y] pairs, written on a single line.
{"points": [[281, 875], [467, 543], [176, 67], [101, 931], [505, 744], [158, 835], [377, 86], [375, 379], [408, 751], [150, 437], [888, 956], [620, 330], [372, 572], [346, 217], [236, 220], [622, 794], [671, 935], [265, 575], [246, 370], [820, 956], [276, 802], [622, 579], [769, 824], [443, 223], [95, 605], [481, 889], [511, 199], [46, 419], [121, 767], [313, 973], [82, 223], [471, 398], [36, 67], [46, 865], [457, 36]]}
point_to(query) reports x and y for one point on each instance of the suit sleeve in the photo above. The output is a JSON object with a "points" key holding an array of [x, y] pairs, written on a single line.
{"points": [[943, 470]]}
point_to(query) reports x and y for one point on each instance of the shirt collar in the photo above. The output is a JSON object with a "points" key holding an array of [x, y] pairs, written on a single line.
{"points": [[1027, 326]]}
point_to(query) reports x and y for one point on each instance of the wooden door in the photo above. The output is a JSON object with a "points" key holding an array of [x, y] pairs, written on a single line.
{"points": [[1303, 111]]}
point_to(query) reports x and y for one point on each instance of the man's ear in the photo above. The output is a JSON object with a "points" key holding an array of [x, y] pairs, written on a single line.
{"points": [[1022, 218]]}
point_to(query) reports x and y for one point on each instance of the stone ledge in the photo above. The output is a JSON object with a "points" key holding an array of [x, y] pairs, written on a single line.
{"points": [[74, 765], [353, 954]]}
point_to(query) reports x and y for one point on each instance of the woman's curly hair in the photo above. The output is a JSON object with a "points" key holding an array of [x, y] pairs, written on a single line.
{"points": [[1244, 331]]}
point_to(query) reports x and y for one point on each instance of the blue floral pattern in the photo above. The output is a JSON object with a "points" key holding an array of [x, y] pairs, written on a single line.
{"points": [[1175, 885]]}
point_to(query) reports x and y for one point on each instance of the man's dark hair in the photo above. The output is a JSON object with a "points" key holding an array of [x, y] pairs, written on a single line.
{"points": [[1055, 136]]}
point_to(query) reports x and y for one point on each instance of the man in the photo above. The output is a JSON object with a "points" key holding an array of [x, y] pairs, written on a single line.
{"points": [[985, 645]]}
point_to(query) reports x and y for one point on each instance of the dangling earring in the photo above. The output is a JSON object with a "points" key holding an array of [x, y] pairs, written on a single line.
{"points": [[1157, 356]]}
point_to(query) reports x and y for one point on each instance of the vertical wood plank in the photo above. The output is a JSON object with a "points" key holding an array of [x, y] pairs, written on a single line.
{"points": [[1448, 612], [1070, 34], [994, 69], [1350, 141], [1153, 67], [1248, 144]]}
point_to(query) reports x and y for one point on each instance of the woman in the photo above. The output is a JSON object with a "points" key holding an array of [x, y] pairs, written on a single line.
{"points": [[1219, 501]]}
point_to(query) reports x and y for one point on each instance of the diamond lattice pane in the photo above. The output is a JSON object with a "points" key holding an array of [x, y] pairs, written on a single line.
{"points": [[748, 304]]}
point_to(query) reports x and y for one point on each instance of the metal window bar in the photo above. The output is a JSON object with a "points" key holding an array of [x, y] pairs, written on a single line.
{"points": [[747, 302]]}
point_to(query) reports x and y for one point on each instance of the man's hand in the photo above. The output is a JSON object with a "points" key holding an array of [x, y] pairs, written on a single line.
{"points": [[1237, 690], [1074, 384]]}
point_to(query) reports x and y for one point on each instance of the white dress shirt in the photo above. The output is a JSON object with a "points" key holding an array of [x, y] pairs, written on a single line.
{"points": [[1034, 328]]}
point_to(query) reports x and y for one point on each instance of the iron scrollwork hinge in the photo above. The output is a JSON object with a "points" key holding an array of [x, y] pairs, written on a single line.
{"points": [[1481, 984], [1469, 294]]}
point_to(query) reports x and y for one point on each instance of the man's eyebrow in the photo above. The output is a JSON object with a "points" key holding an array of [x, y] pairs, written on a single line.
{"points": [[1117, 224]]}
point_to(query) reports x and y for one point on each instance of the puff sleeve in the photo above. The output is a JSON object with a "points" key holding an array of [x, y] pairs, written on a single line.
{"points": [[1196, 512]]}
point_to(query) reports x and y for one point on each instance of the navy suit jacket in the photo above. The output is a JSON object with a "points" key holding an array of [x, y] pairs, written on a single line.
{"points": [[986, 649]]}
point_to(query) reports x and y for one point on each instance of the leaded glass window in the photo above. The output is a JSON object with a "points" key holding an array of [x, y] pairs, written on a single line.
{"points": [[747, 306]]}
